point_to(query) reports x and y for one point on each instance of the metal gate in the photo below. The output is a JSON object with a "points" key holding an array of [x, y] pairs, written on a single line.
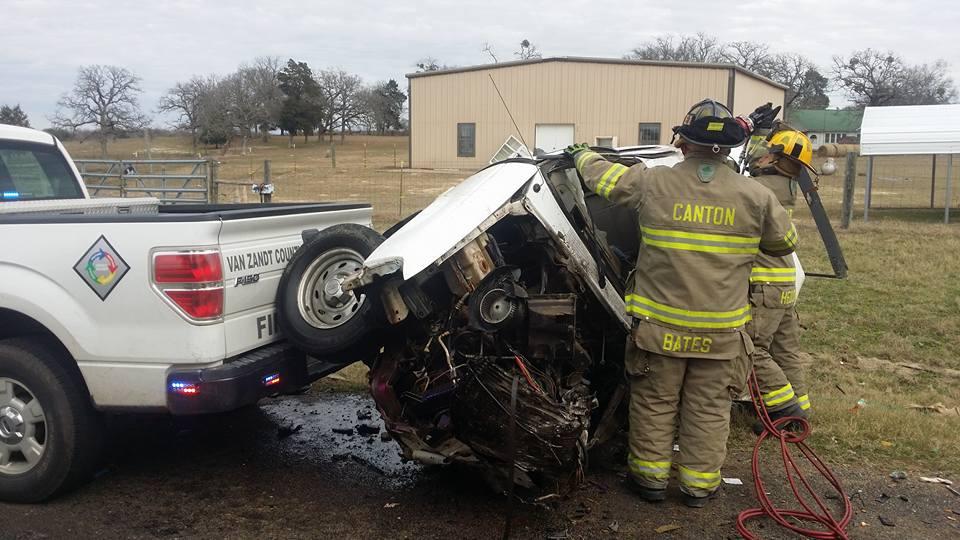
{"points": [[172, 181]]}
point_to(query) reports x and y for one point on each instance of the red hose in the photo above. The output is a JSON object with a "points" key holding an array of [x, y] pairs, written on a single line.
{"points": [[830, 528]]}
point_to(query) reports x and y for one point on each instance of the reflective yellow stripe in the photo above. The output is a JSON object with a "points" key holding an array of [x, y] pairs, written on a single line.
{"points": [[705, 480], [707, 243], [612, 183], [609, 179], [683, 317], [581, 160], [765, 278], [726, 238], [658, 470], [791, 237], [761, 270], [804, 402], [778, 396], [701, 248]]}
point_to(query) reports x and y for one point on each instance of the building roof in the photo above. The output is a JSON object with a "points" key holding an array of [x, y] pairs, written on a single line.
{"points": [[588, 60], [913, 129], [826, 121]]}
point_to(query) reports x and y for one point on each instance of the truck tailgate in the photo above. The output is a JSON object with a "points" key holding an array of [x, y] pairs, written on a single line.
{"points": [[255, 251]]}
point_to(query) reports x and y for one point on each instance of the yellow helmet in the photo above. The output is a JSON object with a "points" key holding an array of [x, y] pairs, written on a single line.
{"points": [[794, 146]]}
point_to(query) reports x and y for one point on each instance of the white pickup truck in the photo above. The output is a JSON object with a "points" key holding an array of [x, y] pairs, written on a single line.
{"points": [[128, 305]]}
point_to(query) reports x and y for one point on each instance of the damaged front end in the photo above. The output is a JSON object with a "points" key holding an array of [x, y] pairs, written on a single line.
{"points": [[520, 318]]}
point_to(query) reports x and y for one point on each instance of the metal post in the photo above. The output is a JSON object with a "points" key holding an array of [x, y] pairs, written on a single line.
{"points": [[364, 155], [394, 155], [869, 190], [213, 189], [948, 196], [266, 180], [333, 153], [400, 212], [933, 181], [123, 180], [849, 181]]}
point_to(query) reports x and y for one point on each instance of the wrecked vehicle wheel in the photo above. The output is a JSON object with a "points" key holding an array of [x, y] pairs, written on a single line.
{"points": [[314, 312]]}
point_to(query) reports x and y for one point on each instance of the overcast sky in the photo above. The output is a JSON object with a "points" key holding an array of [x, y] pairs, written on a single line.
{"points": [[164, 41]]}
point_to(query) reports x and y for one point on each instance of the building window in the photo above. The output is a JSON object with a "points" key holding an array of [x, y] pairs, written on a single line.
{"points": [[466, 140], [649, 133], [606, 142]]}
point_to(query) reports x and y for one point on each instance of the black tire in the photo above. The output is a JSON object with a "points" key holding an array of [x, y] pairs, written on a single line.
{"points": [[348, 341], [72, 428]]}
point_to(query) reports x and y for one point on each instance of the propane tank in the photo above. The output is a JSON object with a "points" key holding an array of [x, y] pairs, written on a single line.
{"points": [[829, 167]]}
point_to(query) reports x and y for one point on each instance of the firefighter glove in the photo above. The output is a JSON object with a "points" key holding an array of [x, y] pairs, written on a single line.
{"points": [[763, 116], [575, 149]]}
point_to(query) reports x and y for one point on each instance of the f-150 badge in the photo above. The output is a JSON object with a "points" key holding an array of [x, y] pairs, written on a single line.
{"points": [[101, 268]]}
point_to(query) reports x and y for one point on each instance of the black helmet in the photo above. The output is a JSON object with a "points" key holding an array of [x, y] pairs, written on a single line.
{"points": [[709, 123]]}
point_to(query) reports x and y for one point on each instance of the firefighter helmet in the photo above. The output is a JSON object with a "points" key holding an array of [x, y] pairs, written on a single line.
{"points": [[709, 123], [788, 149]]}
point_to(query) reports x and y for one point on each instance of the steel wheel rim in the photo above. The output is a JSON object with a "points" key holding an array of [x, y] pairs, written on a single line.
{"points": [[320, 300], [23, 428]]}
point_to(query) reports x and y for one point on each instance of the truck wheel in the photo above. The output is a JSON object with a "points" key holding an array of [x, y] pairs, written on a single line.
{"points": [[49, 432], [313, 312]]}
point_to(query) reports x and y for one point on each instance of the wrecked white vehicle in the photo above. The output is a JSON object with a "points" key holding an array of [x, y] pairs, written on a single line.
{"points": [[503, 298]]}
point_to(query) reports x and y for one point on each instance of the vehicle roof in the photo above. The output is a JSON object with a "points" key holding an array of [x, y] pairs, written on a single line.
{"points": [[18, 133]]}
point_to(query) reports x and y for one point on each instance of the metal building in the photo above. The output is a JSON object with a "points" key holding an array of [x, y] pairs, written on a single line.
{"points": [[458, 119]]}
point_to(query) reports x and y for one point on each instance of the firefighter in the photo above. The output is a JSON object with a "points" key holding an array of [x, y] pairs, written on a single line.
{"points": [[775, 162], [701, 227]]}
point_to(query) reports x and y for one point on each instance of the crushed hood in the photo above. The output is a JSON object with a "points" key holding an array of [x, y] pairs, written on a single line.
{"points": [[451, 217]]}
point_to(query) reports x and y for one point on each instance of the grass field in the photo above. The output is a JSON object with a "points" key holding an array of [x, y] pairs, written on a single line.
{"points": [[901, 303]]}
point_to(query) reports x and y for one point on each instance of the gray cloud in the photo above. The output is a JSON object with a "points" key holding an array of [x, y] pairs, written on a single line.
{"points": [[44, 41]]}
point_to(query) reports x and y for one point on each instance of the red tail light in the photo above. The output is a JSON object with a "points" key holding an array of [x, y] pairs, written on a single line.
{"points": [[187, 268], [198, 303], [192, 282]]}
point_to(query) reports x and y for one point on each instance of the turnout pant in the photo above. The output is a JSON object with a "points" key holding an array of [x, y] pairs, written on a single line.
{"points": [[776, 358], [696, 391]]}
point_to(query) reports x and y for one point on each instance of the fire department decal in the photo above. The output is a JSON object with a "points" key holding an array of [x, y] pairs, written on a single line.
{"points": [[101, 268]]}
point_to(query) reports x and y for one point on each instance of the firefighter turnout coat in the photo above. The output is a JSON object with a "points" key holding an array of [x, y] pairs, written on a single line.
{"points": [[702, 226]]}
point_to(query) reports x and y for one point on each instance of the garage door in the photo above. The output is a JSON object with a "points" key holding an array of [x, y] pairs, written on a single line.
{"points": [[550, 137]]}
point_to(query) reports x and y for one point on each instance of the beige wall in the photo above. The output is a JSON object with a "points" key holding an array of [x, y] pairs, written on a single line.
{"points": [[600, 99], [750, 92]]}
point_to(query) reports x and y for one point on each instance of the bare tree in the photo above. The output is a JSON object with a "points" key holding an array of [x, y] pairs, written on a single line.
{"points": [[528, 51], [329, 96], [266, 88], [750, 55], [104, 97], [806, 86], [698, 48], [428, 63], [869, 77], [185, 100], [239, 94], [927, 84], [347, 104], [214, 123], [487, 48]]}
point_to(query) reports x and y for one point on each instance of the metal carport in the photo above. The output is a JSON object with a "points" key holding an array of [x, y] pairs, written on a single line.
{"points": [[910, 130]]}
